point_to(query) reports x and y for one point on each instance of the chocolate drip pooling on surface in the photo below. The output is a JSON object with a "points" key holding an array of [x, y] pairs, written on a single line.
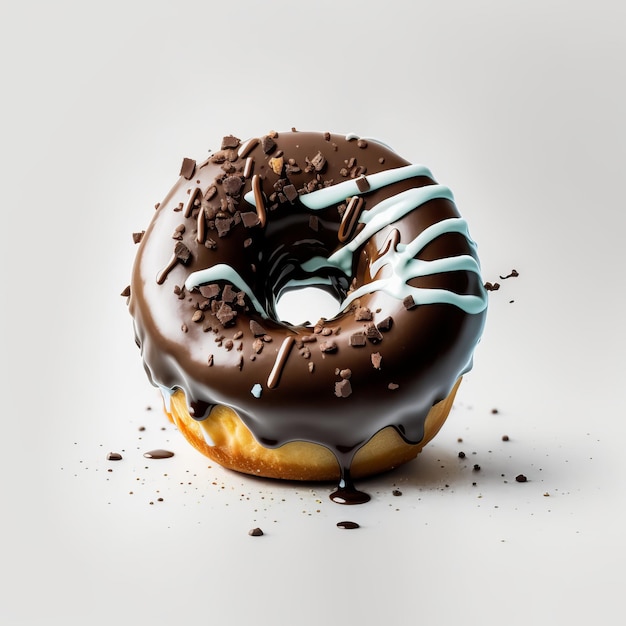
{"points": [[289, 210]]}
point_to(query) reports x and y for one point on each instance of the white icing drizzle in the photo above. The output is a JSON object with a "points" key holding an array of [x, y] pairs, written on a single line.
{"points": [[222, 271]]}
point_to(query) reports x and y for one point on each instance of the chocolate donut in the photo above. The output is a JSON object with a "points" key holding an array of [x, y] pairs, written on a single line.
{"points": [[277, 213]]}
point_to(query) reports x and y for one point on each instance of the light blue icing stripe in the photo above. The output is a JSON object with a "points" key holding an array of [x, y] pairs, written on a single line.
{"points": [[385, 213], [323, 198], [405, 267], [221, 271]]}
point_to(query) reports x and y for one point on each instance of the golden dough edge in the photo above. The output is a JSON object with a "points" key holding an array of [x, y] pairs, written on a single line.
{"points": [[235, 448]]}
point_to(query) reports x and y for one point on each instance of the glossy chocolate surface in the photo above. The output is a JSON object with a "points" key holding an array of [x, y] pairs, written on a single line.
{"points": [[382, 361]]}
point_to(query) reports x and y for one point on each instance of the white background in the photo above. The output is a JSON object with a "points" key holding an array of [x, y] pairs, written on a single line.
{"points": [[519, 108]]}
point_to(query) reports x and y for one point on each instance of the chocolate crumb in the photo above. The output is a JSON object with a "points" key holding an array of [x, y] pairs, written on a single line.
{"points": [[137, 237], [476, 467], [505, 437], [363, 314], [255, 532], [396, 492], [114, 456], [267, 144], [126, 292], [520, 478], [376, 360], [230, 141], [492, 286], [461, 455], [393, 386]]}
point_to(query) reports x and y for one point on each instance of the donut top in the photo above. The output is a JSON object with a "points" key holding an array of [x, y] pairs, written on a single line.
{"points": [[286, 210]]}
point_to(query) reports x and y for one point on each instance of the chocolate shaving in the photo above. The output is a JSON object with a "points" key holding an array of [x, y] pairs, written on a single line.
{"points": [[137, 237], [513, 274], [209, 291], [492, 286], [126, 292], [318, 162], [187, 168]]}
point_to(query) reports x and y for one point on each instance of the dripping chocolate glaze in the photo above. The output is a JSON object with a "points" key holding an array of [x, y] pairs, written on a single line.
{"points": [[269, 242]]}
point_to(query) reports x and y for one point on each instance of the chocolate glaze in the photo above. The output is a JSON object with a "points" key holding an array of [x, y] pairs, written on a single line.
{"points": [[187, 336]]}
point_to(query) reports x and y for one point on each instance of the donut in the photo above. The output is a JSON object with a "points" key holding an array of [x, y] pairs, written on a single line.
{"points": [[334, 399]]}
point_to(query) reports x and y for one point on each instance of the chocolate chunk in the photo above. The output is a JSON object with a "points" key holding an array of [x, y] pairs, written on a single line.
{"points": [[361, 143], [318, 162], [362, 184], [291, 193], [198, 316], [343, 388], [267, 144], [255, 532], [182, 253], [126, 292], [230, 141], [225, 314], [520, 478], [229, 294], [250, 219], [232, 185], [187, 168], [114, 456], [392, 386], [357, 339], [376, 360], [505, 438], [396, 492], [209, 291], [348, 525], [385, 325], [409, 303], [223, 225], [373, 334], [256, 328], [137, 237]]}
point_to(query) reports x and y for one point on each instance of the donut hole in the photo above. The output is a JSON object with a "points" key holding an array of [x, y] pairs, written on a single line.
{"points": [[307, 304]]}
